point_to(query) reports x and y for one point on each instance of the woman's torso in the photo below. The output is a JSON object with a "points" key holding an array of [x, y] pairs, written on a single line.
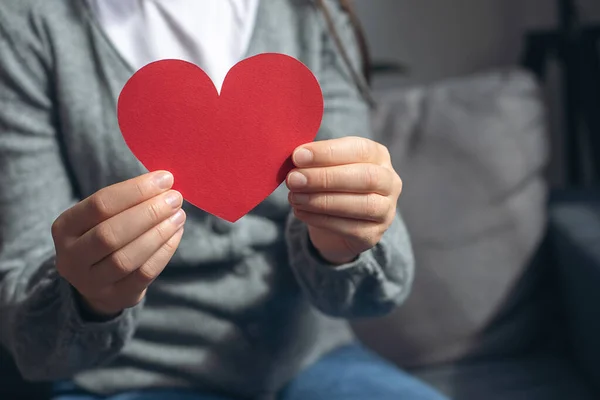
{"points": [[227, 312]]}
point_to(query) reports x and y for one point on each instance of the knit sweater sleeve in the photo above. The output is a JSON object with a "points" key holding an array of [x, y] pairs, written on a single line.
{"points": [[381, 278], [40, 321]]}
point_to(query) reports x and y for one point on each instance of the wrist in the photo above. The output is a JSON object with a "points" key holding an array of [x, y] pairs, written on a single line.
{"points": [[330, 257], [92, 312]]}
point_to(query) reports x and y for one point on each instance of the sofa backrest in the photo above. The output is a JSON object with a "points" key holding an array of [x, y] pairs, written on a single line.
{"points": [[472, 154]]}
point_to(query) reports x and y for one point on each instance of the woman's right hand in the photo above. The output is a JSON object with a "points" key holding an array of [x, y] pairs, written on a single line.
{"points": [[114, 244]]}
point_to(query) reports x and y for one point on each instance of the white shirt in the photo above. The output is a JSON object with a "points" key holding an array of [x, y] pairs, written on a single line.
{"points": [[213, 34]]}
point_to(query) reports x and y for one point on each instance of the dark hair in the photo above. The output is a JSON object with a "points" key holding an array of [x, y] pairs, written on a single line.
{"points": [[361, 78], [348, 7]]}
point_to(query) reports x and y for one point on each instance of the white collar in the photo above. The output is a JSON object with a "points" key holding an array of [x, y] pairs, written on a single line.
{"points": [[214, 34]]}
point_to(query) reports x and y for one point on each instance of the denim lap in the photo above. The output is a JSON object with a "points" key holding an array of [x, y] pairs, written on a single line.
{"points": [[353, 373], [349, 373]]}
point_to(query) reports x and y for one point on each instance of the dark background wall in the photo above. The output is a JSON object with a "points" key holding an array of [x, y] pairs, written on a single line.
{"points": [[441, 38], [438, 39]]}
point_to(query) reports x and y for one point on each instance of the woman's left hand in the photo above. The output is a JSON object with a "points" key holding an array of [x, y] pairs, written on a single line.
{"points": [[346, 191]]}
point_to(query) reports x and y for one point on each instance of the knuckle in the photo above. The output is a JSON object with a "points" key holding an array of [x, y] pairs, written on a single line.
{"points": [[324, 220], [121, 261], [375, 207], [373, 236], [153, 210], [140, 188], [299, 214], [325, 178], [389, 220], [57, 229], [330, 151], [146, 275], [399, 184], [68, 246], [390, 210], [105, 236], [171, 245], [356, 229], [369, 236], [163, 232], [373, 177], [363, 149], [323, 203], [385, 152], [99, 205]]}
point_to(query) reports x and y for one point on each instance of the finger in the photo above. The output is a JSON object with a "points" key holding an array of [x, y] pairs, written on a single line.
{"points": [[351, 178], [113, 200], [368, 207], [140, 279], [348, 150], [116, 232], [366, 232], [128, 259]]}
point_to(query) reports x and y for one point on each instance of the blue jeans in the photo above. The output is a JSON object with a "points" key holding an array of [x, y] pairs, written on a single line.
{"points": [[349, 373]]}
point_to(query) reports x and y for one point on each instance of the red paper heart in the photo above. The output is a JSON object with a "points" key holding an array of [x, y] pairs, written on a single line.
{"points": [[228, 152]]}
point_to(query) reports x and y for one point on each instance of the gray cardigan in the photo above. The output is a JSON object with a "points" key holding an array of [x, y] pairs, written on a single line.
{"points": [[242, 307]]}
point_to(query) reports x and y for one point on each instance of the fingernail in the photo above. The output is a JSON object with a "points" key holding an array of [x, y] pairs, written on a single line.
{"points": [[297, 180], [173, 199], [303, 157], [300, 198], [178, 218], [163, 180]]}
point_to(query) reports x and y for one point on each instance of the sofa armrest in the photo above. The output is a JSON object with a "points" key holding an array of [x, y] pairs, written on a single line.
{"points": [[575, 235], [12, 385]]}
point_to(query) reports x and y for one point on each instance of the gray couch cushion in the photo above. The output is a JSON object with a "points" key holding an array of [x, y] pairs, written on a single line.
{"points": [[541, 377], [575, 233], [471, 152]]}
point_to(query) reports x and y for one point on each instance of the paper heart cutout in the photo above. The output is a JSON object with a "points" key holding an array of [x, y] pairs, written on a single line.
{"points": [[228, 152]]}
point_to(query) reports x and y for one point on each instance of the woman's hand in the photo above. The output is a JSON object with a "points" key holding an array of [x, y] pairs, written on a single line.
{"points": [[346, 191], [112, 245]]}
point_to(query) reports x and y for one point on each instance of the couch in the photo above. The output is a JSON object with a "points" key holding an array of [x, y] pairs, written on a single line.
{"points": [[507, 294], [506, 302]]}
